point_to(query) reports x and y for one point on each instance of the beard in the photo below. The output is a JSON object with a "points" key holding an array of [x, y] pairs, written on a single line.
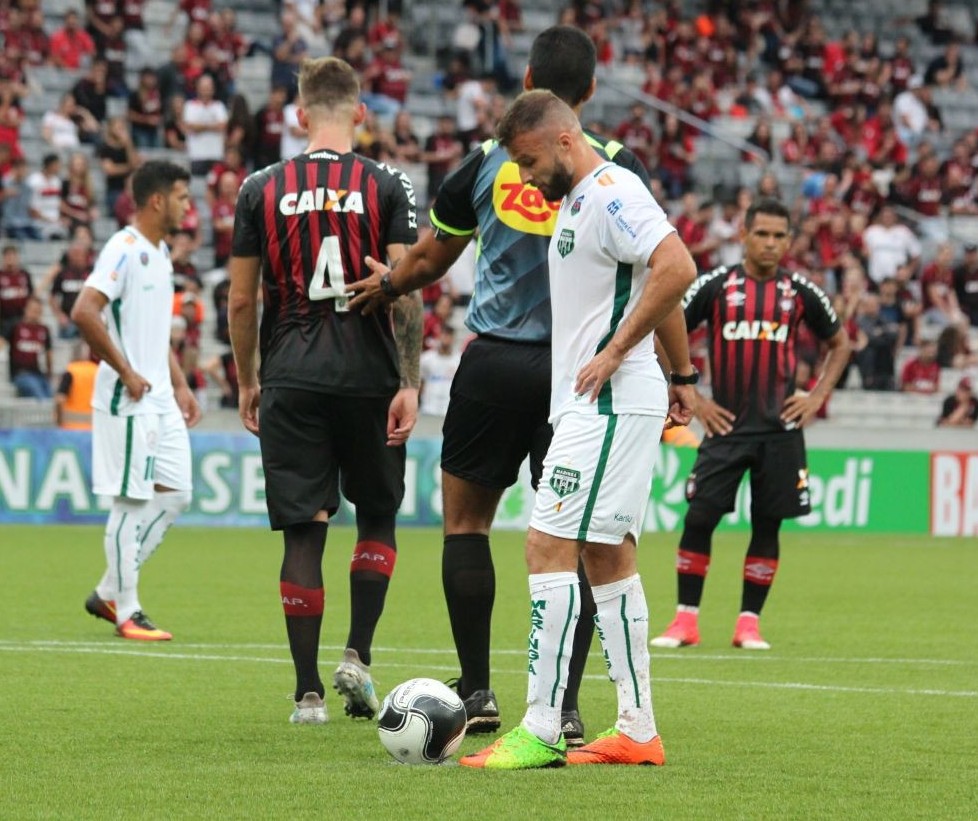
{"points": [[559, 185]]}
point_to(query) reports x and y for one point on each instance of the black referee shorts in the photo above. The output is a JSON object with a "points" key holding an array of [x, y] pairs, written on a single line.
{"points": [[778, 474], [313, 445], [498, 412]]}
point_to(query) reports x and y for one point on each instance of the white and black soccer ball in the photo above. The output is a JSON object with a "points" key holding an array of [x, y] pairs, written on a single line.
{"points": [[422, 721]]}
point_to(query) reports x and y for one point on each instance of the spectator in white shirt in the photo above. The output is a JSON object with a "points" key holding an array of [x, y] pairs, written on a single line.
{"points": [[892, 248], [204, 124], [62, 127], [910, 114], [294, 137], [438, 366], [45, 208]]}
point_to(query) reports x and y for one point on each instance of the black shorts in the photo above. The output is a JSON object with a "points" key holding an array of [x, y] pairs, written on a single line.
{"points": [[313, 445], [498, 412], [778, 474]]}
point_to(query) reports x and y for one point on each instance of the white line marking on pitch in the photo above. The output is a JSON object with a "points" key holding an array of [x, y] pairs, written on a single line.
{"points": [[657, 655], [101, 649]]}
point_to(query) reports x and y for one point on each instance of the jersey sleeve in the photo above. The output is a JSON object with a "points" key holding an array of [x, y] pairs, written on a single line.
{"points": [[633, 223], [820, 316], [246, 238], [701, 293], [111, 269], [401, 208], [452, 211]]}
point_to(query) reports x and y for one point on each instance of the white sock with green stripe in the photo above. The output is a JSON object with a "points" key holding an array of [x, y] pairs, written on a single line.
{"points": [[121, 579], [623, 627], [555, 607], [161, 512]]}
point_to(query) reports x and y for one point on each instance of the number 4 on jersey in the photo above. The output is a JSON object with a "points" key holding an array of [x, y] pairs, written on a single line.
{"points": [[329, 266]]}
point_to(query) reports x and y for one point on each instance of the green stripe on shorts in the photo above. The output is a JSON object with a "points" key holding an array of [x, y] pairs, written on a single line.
{"points": [[592, 498]]}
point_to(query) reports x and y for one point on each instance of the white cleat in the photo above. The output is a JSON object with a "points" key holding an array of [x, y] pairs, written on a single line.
{"points": [[352, 681], [310, 710]]}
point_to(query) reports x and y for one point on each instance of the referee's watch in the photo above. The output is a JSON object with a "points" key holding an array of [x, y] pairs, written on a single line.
{"points": [[689, 379], [387, 287]]}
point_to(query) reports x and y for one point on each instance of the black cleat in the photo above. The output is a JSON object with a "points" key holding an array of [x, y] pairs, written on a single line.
{"points": [[481, 709], [572, 728], [100, 608]]}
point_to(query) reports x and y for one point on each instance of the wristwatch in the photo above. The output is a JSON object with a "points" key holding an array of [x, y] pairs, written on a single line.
{"points": [[688, 379], [387, 287]]}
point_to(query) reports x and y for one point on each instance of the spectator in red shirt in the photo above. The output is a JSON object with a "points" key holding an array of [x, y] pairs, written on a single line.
{"points": [[70, 44], [922, 374], [923, 191], [675, 157], [269, 122], [388, 81], [960, 409], [636, 134], [436, 318], [222, 216], [16, 287], [939, 298], [30, 354]]}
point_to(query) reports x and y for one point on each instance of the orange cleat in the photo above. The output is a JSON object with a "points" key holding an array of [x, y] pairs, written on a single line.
{"points": [[747, 633], [614, 747], [140, 628], [100, 608], [683, 632]]}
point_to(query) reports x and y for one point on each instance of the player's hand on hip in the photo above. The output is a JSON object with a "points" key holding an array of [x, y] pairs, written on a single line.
{"points": [[136, 385], [366, 294], [248, 399], [591, 378], [799, 409], [717, 420], [402, 416], [188, 405]]}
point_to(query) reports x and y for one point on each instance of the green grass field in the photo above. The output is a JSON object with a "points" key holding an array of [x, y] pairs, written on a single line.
{"points": [[867, 707]]}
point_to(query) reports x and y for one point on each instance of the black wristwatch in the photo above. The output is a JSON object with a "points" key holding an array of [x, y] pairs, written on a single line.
{"points": [[689, 379], [387, 287]]}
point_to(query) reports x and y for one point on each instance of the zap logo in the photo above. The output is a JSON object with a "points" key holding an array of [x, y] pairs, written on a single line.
{"points": [[522, 207]]}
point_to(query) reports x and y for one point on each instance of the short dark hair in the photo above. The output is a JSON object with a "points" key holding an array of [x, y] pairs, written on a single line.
{"points": [[562, 60], [49, 159], [528, 112], [769, 206], [156, 177]]}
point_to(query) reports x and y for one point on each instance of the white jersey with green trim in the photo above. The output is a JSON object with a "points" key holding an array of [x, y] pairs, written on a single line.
{"points": [[607, 228], [137, 278]]}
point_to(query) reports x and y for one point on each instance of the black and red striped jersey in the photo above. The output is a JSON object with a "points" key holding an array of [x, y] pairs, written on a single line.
{"points": [[312, 219], [753, 328]]}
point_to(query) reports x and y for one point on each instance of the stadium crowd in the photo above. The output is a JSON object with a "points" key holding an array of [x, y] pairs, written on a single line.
{"points": [[854, 118]]}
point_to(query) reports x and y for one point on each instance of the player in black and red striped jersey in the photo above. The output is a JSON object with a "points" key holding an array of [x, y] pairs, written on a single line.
{"points": [[337, 395], [753, 421]]}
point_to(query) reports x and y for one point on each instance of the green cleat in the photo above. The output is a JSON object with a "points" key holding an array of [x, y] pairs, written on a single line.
{"points": [[519, 749]]}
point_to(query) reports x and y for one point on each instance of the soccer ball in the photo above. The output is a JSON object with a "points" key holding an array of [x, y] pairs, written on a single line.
{"points": [[422, 721]]}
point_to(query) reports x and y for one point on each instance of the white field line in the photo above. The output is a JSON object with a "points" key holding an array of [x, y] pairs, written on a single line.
{"points": [[657, 655], [103, 649]]}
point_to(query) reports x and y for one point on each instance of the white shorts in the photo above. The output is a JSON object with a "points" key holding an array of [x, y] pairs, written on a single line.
{"points": [[131, 454], [597, 477]]}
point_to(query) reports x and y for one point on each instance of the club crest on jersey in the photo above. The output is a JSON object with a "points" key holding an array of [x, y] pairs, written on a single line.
{"points": [[575, 208], [565, 481], [321, 199], [565, 242], [144, 258]]}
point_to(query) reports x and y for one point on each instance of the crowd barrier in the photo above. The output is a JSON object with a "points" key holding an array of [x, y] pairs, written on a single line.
{"points": [[45, 478]]}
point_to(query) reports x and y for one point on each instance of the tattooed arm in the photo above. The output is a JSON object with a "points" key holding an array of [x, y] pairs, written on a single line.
{"points": [[407, 313]]}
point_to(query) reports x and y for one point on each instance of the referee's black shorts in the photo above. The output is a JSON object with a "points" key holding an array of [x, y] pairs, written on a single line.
{"points": [[313, 445], [498, 411], [778, 474]]}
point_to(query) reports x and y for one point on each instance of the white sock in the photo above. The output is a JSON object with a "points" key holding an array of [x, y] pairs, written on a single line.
{"points": [[161, 512], [555, 607], [121, 579], [623, 626]]}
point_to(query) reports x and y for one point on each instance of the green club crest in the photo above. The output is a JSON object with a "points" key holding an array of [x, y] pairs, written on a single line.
{"points": [[565, 481], [565, 242]]}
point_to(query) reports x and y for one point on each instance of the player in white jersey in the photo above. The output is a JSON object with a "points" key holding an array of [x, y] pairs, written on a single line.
{"points": [[142, 405], [609, 403]]}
